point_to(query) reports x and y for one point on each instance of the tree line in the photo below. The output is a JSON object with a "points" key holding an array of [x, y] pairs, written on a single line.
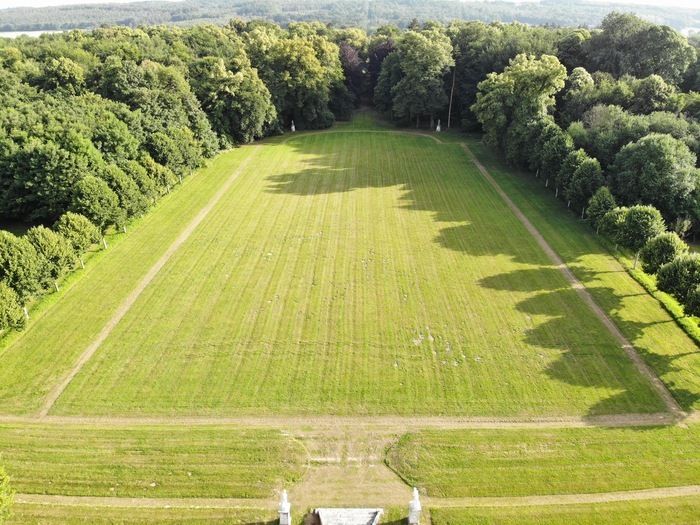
{"points": [[96, 126], [367, 15], [102, 124], [608, 119]]}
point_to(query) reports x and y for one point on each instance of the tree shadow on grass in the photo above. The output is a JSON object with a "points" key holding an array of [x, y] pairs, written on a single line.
{"points": [[481, 231], [572, 367]]}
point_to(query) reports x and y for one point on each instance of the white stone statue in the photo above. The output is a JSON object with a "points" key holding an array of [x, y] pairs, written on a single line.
{"points": [[293, 127], [285, 510], [414, 507], [438, 129]]}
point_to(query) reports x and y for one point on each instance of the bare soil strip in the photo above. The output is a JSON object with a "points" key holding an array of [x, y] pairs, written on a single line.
{"points": [[639, 363], [140, 287], [514, 501], [155, 503], [566, 499], [375, 423]]}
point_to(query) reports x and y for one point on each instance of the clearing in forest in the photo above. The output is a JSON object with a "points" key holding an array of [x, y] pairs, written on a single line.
{"points": [[340, 273]]}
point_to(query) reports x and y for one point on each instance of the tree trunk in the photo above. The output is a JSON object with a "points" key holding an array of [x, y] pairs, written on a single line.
{"points": [[82, 264], [452, 91], [104, 243], [546, 183], [432, 122], [417, 121], [26, 312], [55, 285], [556, 192]]}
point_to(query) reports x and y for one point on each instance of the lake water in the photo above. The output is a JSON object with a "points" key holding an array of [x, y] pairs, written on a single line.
{"points": [[15, 34]]}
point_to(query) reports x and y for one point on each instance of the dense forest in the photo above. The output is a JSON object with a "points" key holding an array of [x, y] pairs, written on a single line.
{"points": [[366, 14], [96, 126]]}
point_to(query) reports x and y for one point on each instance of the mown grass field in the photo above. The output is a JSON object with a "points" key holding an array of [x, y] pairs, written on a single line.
{"points": [[349, 273], [163, 461], [26, 514], [673, 355], [518, 462], [44, 353], [676, 511]]}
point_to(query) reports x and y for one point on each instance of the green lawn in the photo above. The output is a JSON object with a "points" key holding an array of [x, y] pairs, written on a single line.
{"points": [[352, 273], [652, 331], [162, 461], [461, 463], [73, 515], [70, 515], [34, 362], [346, 273], [671, 511]]}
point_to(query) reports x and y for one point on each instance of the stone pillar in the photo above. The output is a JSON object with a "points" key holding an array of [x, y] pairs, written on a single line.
{"points": [[414, 509], [285, 510]]}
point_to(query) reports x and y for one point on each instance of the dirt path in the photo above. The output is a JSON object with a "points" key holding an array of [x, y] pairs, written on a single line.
{"points": [[506, 501], [140, 287], [386, 424], [566, 499], [639, 363]]}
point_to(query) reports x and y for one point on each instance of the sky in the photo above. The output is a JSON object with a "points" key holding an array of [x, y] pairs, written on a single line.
{"points": [[42, 3]]}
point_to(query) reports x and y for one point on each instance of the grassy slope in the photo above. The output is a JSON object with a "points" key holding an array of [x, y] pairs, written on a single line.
{"points": [[676, 511], [359, 273], [548, 461], [180, 461], [672, 354]]}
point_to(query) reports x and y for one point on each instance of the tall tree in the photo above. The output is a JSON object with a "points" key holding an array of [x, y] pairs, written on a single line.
{"points": [[641, 224], [423, 58], [19, 265], [658, 170], [524, 90], [660, 250]]}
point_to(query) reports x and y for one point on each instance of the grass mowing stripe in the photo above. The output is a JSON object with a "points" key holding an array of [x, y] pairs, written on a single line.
{"points": [[130, 299], [678, 511], [654, 334], [435, 247], [639, 363], [29, 514], [163, 461], [463, 463]]}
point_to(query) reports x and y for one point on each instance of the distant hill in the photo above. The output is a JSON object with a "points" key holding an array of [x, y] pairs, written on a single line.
{"points": [[366, 14]]}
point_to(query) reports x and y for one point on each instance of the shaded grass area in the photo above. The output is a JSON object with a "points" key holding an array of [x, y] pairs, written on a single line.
{"points": [[460, 463], [652, 331], [149, 462], [39, 357], [353, 273], [25, 514], [676, 511]]}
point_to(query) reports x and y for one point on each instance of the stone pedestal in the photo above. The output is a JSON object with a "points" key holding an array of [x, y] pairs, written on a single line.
{"points": [[414, 509], [285, 509]]}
